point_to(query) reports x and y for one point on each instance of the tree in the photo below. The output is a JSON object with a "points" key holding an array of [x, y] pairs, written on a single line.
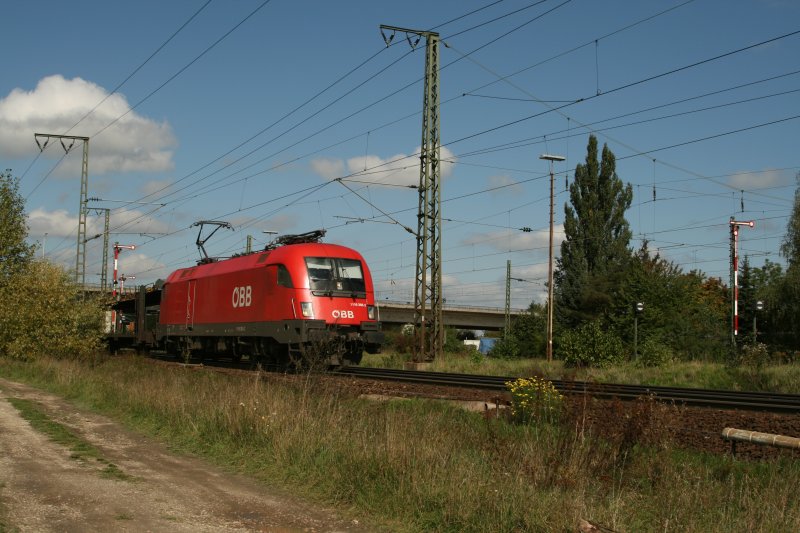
{"points": [[787, 303], [529, 330], [790, 248], [747, 302], [768, 284], [14, 251], [595, 252], [55, 319], [684, 313]]}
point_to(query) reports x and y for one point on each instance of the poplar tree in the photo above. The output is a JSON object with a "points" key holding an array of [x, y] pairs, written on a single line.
{"points": [[594, 253]]}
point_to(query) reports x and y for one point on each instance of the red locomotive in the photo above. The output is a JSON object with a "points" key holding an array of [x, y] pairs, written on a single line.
{"points": [[298, 299]]}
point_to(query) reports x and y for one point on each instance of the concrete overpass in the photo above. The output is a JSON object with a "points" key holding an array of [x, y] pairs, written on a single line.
{"points": [[461, 316]]}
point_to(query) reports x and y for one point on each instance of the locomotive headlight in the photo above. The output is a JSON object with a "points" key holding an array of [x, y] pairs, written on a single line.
{"points": [[307, 309], [371, 312]]}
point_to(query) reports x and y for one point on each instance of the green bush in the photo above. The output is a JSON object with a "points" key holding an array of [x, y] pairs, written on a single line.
{"points": [[590, 345], [653, 353], [54, 318], [452, 344], [506, 348], [754, 355], [399, 341]]}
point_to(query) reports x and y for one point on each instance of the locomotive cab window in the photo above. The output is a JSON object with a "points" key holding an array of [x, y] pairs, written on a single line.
{"points": [[330, 276], [284, 278]]}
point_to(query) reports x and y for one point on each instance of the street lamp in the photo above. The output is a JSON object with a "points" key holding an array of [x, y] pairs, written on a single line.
{"points": [[638, 308], [759, 307], [552, 159]]}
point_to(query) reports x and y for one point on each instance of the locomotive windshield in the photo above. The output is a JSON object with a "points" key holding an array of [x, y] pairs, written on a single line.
{"points": [[329, 276]]}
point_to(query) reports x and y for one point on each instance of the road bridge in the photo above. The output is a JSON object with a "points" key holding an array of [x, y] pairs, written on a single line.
{"points": [[457, 316], [399, 313]]}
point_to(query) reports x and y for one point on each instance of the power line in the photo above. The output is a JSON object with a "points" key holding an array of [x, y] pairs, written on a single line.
{"points": [[137, 69], [183, 69]]}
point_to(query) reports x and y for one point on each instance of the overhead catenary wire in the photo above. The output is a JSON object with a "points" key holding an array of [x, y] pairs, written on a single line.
{"points": [[482, 46]]}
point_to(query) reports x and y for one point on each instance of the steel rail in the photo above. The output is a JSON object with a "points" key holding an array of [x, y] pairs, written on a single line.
{"points": [[711, 398]]}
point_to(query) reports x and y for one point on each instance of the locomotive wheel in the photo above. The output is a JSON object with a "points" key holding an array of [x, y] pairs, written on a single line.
{"points": [[236, 351], [185, 350], [353, 356]]}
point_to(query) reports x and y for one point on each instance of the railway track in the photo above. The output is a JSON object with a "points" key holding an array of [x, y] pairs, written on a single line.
{"points": [[718, 399]]}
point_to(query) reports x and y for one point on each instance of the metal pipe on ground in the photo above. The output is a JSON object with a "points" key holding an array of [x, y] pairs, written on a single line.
{"points": [[742, 435]]}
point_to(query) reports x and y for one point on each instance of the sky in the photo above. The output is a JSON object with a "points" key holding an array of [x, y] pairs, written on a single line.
{"points": [[251, 111]]}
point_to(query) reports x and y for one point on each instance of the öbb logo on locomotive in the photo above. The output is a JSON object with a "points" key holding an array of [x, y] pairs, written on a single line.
{"points": [[343, 313], [242, 296]]}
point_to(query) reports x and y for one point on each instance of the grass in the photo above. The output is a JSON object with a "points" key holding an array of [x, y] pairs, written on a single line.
{"points": [[769, 377], [60, 434], [416, 465]]}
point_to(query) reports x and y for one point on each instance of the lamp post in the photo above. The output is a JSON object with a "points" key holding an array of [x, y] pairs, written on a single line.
{"points": [[638, 308], [759, 307], [551, 158]]}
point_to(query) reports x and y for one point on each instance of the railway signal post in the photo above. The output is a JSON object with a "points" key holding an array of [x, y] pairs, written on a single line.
{"points": [[117, 248], [734, 225]]}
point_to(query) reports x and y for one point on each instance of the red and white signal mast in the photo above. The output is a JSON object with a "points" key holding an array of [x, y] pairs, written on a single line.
{"points": [[734, 225], [117, 248]]}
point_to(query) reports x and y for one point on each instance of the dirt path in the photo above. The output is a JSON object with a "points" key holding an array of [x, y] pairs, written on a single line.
{"points": [[43, 489]]}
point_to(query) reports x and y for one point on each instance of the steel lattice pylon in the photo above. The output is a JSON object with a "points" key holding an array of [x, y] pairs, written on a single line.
{"points": [[80, 256], [428, 299], [104, 269]]}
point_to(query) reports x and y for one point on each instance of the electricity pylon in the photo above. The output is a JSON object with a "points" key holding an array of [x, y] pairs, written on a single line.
{"points": [[104, 270], [428, 298], [80, 256]]}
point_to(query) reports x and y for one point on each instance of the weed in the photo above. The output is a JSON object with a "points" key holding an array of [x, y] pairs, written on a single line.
{"points": [[535, 400]]}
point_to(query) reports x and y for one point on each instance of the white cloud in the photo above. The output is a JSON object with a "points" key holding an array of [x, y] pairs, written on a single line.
{"points": [[57, 223], [759, 180], [135, 221], [504, 185], [329, 169], [142, 266], [517, 240], [133, 143], [399, 169], [60, 223], [154, 186]]}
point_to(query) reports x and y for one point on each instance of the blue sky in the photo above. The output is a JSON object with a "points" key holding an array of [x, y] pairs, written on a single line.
{"points": [[250, 119]]}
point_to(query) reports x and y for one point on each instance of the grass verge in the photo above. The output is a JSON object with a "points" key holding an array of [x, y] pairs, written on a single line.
{"points": [[776, 378], [422, 466]]}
